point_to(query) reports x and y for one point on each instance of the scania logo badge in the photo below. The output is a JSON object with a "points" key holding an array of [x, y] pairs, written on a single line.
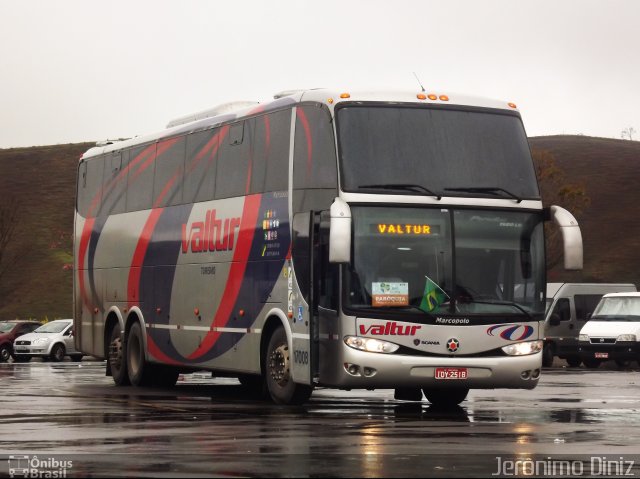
{"points": [[453, 345], [416, 342], [602, 340]]}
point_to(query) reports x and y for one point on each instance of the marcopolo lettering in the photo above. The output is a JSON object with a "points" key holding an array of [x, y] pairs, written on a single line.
{"points": [[389, 329], [212, 234]]}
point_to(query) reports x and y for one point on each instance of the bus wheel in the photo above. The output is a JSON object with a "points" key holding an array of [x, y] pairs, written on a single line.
{"points": [[445, 397], [117, 358], [140, 371], [280, 385]]}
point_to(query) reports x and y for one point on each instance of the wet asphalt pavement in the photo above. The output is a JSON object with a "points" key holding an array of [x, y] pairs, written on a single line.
{"points": [[69, 419]]}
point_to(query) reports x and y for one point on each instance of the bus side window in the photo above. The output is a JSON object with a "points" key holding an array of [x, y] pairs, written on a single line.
{"points": [[233, 175], [140, 177], [270, 168], [167, 189], [90, 187], [314, 163], [115, 182], [200, 165]]}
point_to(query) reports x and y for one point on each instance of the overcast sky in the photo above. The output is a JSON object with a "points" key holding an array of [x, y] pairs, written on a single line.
{"points": [[82, 70]]}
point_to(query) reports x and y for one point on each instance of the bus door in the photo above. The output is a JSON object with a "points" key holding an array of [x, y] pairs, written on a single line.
{"points": [[317, 281]]}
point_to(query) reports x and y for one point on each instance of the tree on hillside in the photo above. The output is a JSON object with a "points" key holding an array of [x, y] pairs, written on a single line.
{"points": [[555, 189]]}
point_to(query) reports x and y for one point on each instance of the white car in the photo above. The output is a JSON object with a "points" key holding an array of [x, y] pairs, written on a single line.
{"points": [[613, 332], [53, 340]]}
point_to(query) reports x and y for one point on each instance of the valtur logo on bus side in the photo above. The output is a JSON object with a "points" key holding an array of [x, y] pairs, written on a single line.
{"points": [[208, 235], [511, 332]]}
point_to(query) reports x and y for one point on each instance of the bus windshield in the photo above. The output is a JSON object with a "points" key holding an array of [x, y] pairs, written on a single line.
{"points": [[434, 151], [417, 261]]}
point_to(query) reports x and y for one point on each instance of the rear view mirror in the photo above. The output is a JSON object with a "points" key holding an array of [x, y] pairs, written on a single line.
{"points": [[571, 237], [554, 320], [340, 232]]}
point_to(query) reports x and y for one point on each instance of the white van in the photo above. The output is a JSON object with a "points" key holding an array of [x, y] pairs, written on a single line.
{"points": [[613, 332], [568, 308]]}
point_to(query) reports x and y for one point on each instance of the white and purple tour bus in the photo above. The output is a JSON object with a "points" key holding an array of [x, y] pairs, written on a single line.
{"points": [[327, 238]]}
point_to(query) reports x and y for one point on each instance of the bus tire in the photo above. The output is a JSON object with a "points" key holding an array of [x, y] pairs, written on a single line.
{"points": [[139, 370], [117, 358], [445, 397], [280, 385]]}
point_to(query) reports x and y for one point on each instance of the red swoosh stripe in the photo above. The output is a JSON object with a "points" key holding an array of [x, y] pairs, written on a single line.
{"points": [[236, 273], [133, 288]]}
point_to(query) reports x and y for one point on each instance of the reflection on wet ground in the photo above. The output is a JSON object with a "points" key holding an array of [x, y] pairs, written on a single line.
{"points": [[211, 426]]}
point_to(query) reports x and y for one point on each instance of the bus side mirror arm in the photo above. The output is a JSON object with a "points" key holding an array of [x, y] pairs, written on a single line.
{"points": [[340, 232], [571, 237]]}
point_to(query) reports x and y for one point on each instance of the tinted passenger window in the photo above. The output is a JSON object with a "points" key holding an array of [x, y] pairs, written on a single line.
{"points": [[167, 184], [140, 178], [314, 164], [270, 167], [200, 166], [90, 186], [115, 182], [233, 172]]}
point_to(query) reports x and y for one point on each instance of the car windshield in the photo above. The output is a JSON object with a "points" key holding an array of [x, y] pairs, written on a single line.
{"points": [[618, 308], [6, 327], [53, 327]]}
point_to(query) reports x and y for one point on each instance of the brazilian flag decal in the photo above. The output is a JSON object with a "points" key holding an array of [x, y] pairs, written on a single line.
{"points": [[433, 296]]}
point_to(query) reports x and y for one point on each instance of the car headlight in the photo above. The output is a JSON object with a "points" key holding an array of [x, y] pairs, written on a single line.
{"points": [[626, 337], [583, 337], [370, 345], [522, 349], [41, 341]]}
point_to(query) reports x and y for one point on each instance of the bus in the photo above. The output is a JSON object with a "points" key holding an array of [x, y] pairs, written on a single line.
{"points": [[340, 239]]}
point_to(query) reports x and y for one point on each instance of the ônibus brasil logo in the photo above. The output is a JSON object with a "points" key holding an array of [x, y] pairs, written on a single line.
{"points": [[210, 234], [511, 332]]}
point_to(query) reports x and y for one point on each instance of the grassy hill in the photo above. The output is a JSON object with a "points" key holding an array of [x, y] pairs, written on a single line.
{"points": [[609, 169], [41, 183]]}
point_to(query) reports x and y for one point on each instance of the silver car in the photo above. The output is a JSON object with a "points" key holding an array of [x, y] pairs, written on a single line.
{"points": [[53, 340]]}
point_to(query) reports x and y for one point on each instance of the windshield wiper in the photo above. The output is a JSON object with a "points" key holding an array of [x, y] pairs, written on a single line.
{"points": [[485, 189], [402, 187], [504, 303]]}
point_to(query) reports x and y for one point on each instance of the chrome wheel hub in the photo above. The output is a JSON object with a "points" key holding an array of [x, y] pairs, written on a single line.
{"points": [[279, 365]]}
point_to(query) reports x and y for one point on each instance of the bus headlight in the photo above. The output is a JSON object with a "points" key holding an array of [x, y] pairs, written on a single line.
{"points": [[370, 345], [522, 349], [626, 337], [584, 338]]}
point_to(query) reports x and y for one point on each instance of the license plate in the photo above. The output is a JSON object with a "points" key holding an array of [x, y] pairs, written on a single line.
{"points": [[451, 373], [602, 355], [21, 350]]}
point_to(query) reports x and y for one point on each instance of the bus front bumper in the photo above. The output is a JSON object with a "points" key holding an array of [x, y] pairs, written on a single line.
{"points": [[361, 369]]}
